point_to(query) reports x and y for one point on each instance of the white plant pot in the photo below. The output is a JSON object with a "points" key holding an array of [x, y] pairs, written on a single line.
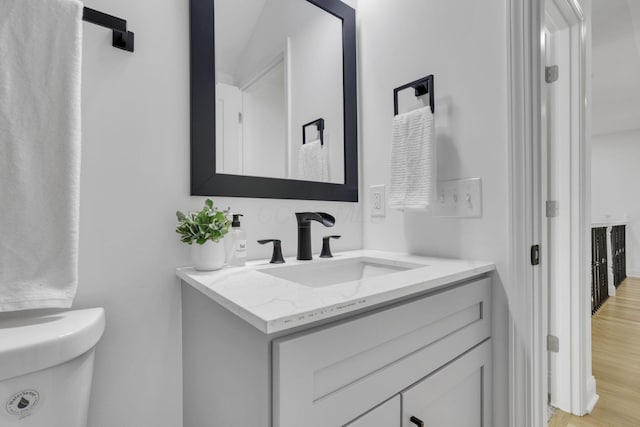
{"points": [[209, 256]]}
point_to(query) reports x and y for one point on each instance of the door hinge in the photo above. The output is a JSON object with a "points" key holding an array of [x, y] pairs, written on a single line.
{"points": [[553, 344], [551, 73], [535, 254], [553, 208]]}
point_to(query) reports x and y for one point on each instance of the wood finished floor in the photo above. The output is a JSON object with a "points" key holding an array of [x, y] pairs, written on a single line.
{"points": [[616, 363]]}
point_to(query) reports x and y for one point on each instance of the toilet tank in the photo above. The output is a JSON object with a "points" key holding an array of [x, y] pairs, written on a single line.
{"points": [[46, 367]]}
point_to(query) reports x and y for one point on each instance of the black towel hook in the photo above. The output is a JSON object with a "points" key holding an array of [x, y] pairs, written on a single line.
{"points": [[421, 87], [319, 124]]}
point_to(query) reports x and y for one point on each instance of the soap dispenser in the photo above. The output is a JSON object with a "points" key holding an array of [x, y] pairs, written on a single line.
{"points": [[239, 242]]}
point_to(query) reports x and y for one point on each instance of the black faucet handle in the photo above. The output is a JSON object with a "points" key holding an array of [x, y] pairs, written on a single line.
{"points": [[276, 257], [326, 247]]}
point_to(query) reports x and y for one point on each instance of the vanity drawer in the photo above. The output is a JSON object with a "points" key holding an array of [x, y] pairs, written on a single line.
{"points": [[328, 377]]}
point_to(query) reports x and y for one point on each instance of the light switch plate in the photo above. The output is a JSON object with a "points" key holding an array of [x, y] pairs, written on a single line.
{"points": [[459, 198], [378, 202]]}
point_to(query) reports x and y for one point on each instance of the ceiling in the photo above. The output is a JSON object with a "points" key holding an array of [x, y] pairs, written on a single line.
{"points": [[236, 20], [616, 66], [251, 33]]}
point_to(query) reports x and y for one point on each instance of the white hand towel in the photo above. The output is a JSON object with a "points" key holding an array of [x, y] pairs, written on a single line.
{"points": [[413, 161], [40, 66], [312, 162]]}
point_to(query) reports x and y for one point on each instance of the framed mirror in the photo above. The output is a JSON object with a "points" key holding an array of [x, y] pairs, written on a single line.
{"points": [[273, 99]]}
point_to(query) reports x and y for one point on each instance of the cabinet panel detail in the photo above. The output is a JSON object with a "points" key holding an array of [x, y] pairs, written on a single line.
{"points": [[385, 415], [331, 376], [457, 395]]}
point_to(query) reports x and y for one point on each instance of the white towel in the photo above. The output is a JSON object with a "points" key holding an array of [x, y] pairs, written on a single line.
{"points": [[40, 65], [413, 161], [312, 162]]}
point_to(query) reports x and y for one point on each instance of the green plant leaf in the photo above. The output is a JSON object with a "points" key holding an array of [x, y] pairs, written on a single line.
{"points": [[209, 223]]}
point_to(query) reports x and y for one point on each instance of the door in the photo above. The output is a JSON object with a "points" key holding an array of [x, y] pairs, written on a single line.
{"points": [[457, 395], [557, 193], [385, 415], [229, 149]]}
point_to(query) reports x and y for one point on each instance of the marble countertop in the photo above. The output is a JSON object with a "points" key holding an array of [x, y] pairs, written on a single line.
{"points": [[274, 304]]}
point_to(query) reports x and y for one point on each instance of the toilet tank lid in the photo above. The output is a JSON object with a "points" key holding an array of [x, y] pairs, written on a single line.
{"points": [[32, 342]]}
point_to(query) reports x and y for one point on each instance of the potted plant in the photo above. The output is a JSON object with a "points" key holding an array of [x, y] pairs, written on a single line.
{"points": [[206, 229]]}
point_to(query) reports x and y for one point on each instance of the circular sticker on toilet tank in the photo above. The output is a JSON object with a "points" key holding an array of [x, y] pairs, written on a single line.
{"points": [[23, 403]]}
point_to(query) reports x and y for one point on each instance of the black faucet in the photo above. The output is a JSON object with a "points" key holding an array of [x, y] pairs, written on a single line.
{"points": [[304, 230]]}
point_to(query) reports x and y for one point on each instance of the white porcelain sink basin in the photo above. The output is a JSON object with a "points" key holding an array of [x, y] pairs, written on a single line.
{"points": [[333, 272]]}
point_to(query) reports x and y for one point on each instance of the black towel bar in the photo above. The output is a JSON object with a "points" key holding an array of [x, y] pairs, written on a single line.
{"points": [[122, 39], [421, 86], [319, 123]]}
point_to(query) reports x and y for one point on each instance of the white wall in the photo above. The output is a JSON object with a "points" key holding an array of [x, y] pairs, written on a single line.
{"points": [[464, 44], [316, 65], [616, 120], [255, 145], [267, 40], [616, 90], [264, 127], [135, 174], [614, 187]]}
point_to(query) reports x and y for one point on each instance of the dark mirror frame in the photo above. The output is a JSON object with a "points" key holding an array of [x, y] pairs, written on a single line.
{"points": [[205, 181]]}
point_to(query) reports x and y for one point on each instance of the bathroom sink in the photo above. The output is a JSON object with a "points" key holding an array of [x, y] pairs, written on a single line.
{"points": [[332, 272], [278, 297]]}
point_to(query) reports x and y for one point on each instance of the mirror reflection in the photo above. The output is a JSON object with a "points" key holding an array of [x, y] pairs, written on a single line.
{"points": [[278, 68]]}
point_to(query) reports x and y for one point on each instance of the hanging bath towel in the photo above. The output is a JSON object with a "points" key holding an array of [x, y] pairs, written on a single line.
{"points": [[40, 66], [413, 161]]}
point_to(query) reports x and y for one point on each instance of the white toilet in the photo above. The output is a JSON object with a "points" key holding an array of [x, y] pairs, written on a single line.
{"points": [[46, 367]]}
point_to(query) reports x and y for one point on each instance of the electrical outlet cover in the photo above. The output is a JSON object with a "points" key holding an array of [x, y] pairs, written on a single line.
{"points": [[378, 202]]}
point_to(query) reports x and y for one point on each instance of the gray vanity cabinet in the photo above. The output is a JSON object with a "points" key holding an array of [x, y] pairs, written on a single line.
{"points": [[385, 415], [330, 376], [429, 355], [457, 395]]}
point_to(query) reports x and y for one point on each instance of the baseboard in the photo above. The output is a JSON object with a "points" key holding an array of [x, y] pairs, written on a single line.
{"points": [[591, 397], [550, 411], [592, 403], [633, 274]]}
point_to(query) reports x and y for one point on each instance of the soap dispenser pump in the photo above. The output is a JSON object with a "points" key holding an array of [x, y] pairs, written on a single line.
{"points": [[239, 240]]}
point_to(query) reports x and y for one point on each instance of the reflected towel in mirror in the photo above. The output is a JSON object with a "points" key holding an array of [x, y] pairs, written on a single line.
{"points": [[312, 162]]}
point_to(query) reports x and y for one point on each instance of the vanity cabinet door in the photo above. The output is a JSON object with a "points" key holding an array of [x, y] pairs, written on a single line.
{"points": [[385, 415], [328, 377], [458, 395]]}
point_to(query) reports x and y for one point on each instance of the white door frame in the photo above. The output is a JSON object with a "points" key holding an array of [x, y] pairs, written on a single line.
{"points": [[528, 324]]}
